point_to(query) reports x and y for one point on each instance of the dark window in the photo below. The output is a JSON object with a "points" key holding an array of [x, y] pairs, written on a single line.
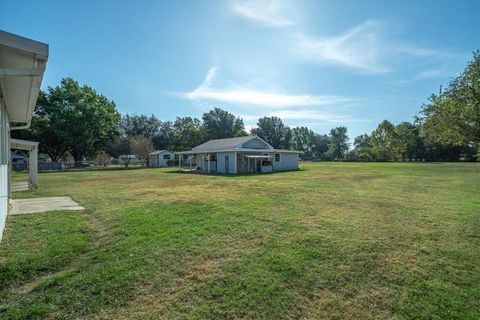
{"points": [[277, 157], [166, 156]]}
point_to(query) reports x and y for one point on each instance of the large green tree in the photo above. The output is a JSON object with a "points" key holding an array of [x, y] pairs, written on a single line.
{"points": [[164, 138], [188, 132], [73, 118], [273, 131], [219, 124], [338, 146], [452, 117], [383, 141], [362, 148], [303, 140], [407, 144], [320, 147], [134, 125]]}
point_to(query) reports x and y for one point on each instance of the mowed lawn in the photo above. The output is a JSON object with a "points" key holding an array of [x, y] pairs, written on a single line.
{"points": [[331, 241]]}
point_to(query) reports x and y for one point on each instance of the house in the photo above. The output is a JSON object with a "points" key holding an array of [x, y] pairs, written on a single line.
{"points": [[22, 65], [248, 154], [160, 158]]}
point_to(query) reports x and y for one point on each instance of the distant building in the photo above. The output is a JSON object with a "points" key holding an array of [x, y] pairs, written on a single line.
{"points": [[160, 158], [242, 155]]}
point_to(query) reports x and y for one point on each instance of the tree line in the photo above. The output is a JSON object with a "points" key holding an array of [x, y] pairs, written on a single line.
{"points": [[75, 120]]}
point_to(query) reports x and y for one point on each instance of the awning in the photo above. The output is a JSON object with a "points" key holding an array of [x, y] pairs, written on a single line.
{"points": [[256, 156], [22, 65]]}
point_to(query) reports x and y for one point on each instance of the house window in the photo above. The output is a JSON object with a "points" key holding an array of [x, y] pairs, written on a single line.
{"points": [[166, 157], [277, 157]]}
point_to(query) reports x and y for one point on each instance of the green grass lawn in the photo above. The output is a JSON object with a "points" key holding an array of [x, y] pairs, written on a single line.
{"points": [[333, 240]]}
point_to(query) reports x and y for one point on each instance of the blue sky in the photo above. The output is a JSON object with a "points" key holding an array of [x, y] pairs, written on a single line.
{"points": [[316, 63]]}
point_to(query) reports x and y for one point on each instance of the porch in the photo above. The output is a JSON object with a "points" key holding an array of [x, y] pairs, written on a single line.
{"points": [[227, 162]]}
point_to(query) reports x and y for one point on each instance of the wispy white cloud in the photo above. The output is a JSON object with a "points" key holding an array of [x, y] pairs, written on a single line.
{"points": [[252, 96], [268, 12], [427, 74], [314, 115], [423, 52], [358, 48]]}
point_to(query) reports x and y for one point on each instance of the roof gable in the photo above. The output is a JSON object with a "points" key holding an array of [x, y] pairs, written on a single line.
{"points": [[228, 143], [159, 152]]}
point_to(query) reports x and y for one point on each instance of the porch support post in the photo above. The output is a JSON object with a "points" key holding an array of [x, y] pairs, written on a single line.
{"points": [[235, 163], [33, 166], [209, 163], [248, 165], [179, 162]]}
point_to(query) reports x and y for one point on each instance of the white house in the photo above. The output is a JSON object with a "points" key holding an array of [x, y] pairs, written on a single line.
{"points": [[22, 65], [160, 158], [241, 155]]}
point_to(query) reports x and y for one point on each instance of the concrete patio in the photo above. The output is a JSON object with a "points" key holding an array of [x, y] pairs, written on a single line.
{"points": [[19, 186], [34, 205]]}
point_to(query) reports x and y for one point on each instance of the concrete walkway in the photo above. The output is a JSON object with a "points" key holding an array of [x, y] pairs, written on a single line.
{"points": [[19, 186], [22, 206]]}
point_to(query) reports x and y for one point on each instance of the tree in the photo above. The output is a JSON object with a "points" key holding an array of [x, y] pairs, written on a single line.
{"points": [[120, 147], [164, 138], [452, 117], [362, 148], [103, 158], [241, 133], [187, 133], [219, 124], [141, 148], [338, 146], [73, 118], [273, 131], [407, 142], [320, 147], [303, 140], [47, 127], [383, 141], [134, 125]]}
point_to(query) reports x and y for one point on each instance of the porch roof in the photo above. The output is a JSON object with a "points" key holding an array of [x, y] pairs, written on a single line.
{"points": [[237, 150], [256, 156], [22, 144]]}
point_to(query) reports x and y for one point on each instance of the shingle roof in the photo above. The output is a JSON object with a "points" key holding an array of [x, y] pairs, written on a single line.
{"points": [[229, 143], [159, 151]]}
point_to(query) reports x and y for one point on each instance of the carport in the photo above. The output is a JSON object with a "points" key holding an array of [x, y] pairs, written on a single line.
{"points": [[32, 148]]}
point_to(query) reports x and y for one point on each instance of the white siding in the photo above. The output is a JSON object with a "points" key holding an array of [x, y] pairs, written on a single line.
{"points": [[4, 172], [164, 162], [221, 162], [157, 160], [288, 161], [153, 161]]}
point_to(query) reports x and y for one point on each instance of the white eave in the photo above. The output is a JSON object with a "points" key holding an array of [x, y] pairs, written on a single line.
{"points": [[22, 66]]}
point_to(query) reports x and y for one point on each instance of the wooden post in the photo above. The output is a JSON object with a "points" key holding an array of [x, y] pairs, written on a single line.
{"points": [[248, 165]]}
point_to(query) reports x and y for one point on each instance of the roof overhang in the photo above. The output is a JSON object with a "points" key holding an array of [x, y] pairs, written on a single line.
{"points": [[238, 150], [22, 66], [22, 144], [256, 156]]}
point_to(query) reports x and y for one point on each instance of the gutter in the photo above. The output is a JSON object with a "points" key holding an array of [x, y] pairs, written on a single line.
{"points": [[35, 72]]}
